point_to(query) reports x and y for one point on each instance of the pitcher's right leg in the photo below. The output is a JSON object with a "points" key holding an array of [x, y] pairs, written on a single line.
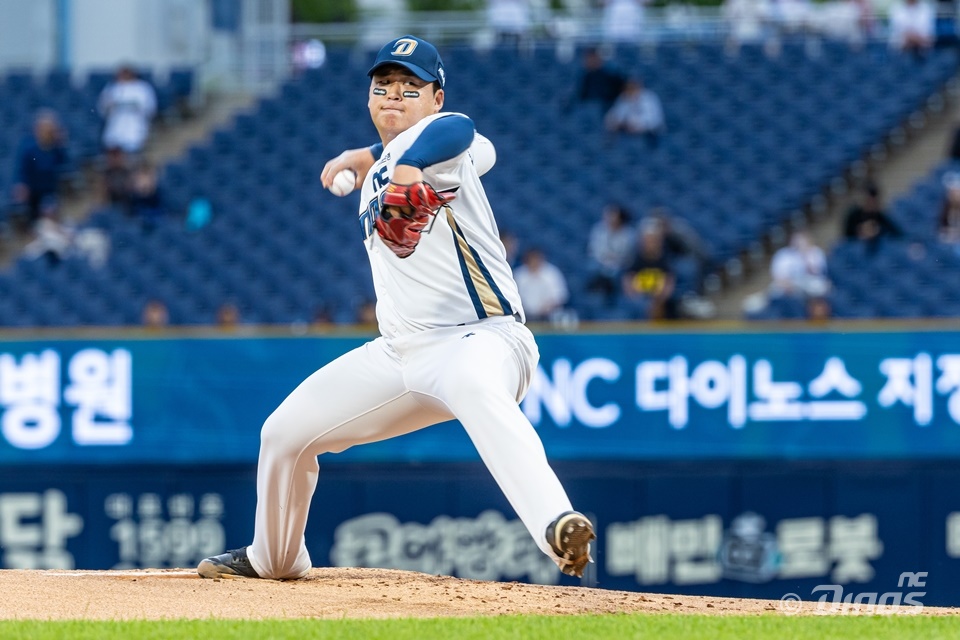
{"points": [[359, 397]]}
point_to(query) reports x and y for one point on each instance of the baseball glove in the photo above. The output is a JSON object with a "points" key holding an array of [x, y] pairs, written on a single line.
{"points": [[405, 211]]}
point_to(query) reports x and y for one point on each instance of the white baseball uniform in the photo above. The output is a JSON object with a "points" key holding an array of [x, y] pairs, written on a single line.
{"points": [[453, 345]]}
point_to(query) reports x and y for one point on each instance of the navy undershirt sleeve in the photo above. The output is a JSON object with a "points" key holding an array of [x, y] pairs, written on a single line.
{"points": [[376, 150], [442, 139]]}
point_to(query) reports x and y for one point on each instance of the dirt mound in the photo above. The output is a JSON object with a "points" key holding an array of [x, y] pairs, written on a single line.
{"points": [[330, 593]]}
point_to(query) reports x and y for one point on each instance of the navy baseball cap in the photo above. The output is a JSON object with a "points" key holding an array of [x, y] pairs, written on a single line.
{"points": [[419, 56]]}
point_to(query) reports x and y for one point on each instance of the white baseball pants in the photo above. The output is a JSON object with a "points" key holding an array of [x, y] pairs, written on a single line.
{"points": [[475, 373]]}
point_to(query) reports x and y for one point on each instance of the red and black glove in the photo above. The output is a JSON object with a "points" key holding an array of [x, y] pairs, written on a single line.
{"points": [[405, 211]]}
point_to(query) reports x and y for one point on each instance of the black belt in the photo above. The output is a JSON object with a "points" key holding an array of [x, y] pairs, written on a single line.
{"points": [[516, 317]]}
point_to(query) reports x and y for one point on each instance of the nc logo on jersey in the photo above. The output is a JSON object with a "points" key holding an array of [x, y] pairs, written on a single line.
{"points": [[404, 47]]}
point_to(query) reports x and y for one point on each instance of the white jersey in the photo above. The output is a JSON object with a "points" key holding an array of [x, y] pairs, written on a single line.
{"points": [[128, 107], [459, 272]]}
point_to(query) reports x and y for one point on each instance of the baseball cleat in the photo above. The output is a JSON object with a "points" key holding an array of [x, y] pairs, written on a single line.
{"points": [[569, 536], [227, 565]]}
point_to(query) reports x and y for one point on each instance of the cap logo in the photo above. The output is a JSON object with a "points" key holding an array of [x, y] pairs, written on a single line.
{"points": [[404, 47]]}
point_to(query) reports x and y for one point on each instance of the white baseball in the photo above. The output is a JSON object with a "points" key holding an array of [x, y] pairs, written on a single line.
{"points": [[343, 182]]}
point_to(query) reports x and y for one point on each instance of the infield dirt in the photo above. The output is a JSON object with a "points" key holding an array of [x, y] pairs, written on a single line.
{"points": [[332, 593]]}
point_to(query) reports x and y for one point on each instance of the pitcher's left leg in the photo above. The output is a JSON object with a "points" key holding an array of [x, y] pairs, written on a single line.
{"points": [[478, 377]]}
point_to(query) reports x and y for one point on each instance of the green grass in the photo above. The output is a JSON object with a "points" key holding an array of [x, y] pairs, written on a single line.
{"points": [[609, 627]]}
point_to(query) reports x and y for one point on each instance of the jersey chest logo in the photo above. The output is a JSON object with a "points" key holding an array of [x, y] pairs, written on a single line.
{"points": [[368, 217]]}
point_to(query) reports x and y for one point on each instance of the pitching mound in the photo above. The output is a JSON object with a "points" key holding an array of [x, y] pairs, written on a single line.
{"points": [[330, 593]]}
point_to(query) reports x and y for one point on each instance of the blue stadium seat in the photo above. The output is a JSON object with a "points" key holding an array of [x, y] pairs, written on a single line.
{"points": [[181, 81], [18, 81]]}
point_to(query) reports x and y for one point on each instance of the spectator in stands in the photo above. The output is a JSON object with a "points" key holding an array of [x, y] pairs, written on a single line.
{"points": [[509, 19], [56, 240], [322, 317], [850, 21], [948, 230], [623, 20], [41, 163], [127, 105], [799, 269], [819, 309], [155, 314], [792, 16], [116, 178], [52, 239], [145, 199], [367, 313], [599, 82], [869, 24], [637, 111], [649, 282], [748, 21], [93, 245], [799, 284], [688, 256], [542, 286], [228, 317], [611, 248], [867, 222], [682, 241], [912, 26], [309, 54]]}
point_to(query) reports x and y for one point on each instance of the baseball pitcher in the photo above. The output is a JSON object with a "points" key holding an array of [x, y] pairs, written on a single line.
{"points": [[453, 342]]}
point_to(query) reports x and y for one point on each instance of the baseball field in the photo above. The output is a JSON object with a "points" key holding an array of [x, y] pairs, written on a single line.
{"points": [[379, 603]]}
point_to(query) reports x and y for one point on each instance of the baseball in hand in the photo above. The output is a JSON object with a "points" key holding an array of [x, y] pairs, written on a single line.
{"points": [[343, 183]]}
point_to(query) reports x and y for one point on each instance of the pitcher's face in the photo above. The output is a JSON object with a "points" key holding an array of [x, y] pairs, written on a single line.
{"points": [[398, 100]]}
